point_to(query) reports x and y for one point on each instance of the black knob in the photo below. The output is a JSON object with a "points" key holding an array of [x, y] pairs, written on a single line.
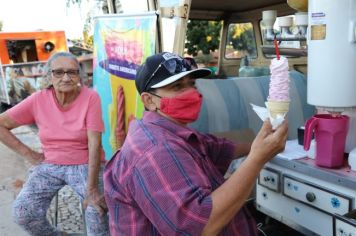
{"points": [[310, 197]]}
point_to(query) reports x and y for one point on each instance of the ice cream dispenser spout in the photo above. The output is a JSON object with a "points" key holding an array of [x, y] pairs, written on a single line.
{"points": [[285, 23]]}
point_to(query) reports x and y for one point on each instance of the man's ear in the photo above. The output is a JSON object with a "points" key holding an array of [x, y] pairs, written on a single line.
{"points": [[148, 101]]}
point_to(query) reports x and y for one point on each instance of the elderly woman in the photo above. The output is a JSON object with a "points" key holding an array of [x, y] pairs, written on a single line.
{"points": [[68, 116]]}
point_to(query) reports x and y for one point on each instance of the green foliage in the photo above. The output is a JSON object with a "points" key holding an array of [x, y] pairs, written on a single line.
{"points": [[1, 25], [241, 37], [202, 36], [88, 40]]}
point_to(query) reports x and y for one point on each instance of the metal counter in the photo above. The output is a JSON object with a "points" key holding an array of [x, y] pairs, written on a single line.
{"points": [[342, 176]]}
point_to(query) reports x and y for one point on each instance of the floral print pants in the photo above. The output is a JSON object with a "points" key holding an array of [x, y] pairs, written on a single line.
{"points": [[45, 180]]}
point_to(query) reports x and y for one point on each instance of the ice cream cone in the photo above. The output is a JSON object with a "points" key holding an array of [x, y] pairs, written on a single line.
{"points": [[278, 108]]}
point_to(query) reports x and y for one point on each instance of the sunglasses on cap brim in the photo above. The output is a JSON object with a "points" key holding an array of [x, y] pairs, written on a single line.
{"points": [[173, 66]]}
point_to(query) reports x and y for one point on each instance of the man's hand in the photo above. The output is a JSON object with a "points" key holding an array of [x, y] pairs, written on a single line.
{"points": [[34, 157], [97, 200], [268, 142]]}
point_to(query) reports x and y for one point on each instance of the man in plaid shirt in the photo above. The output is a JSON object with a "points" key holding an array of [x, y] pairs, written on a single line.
{"points": [[167, 179]]}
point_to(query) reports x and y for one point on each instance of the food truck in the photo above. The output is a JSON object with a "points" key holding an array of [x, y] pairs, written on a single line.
{"points": [[22, 57], [22, 47], [311, 191]]}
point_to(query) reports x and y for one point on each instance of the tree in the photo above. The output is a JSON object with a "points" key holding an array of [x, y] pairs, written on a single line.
{"points": [[1, 25], [202, 36], [242, 38], [88, 39]]}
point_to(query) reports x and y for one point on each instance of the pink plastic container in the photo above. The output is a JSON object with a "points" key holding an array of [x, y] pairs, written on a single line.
{"points": [[330, 136]]}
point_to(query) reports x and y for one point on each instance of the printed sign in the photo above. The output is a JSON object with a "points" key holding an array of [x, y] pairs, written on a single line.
{"points": [[318, 26], [121, 45]]}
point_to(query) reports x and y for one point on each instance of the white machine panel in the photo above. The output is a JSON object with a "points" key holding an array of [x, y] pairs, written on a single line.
{"points": [[344, 229], [291, 206], [270, 179], [316, 196], [331, 33], [293, 213]]}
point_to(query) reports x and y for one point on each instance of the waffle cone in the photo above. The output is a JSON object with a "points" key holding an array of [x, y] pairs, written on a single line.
{"points": [[278, 108]]}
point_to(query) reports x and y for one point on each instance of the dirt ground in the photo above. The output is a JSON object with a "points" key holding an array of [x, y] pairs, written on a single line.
{"points": [[13, 173]]}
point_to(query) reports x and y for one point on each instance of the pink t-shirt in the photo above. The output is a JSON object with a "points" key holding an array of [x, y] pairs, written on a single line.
{"points": [[62, 131]]}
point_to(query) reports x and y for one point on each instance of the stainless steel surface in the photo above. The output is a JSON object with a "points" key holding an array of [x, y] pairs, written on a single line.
{"points": [[303, 166], [295, 52]]}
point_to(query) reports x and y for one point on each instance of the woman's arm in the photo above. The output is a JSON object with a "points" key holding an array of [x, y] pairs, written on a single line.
{"points": [[94, 197], [11, 141]]}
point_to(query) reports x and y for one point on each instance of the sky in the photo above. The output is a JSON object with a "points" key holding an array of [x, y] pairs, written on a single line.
{"points": [[30, 15]]}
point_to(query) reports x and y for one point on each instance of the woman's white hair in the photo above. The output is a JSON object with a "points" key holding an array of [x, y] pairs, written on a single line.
{"points": [[46, 81]]}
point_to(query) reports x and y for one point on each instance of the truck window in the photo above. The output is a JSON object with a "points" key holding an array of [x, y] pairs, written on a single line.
{"points": [[202, 42], [240, 41]]}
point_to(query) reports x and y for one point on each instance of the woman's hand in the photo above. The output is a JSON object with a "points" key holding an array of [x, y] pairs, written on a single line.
{"points": [[34, 157], [97, 200]]}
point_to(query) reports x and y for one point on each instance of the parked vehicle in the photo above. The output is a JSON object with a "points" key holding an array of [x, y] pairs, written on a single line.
{"points": [[319, 43], [22, 57]]}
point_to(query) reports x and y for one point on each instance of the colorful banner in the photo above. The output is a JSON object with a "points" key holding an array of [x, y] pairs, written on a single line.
{"points": [[121, 45]]}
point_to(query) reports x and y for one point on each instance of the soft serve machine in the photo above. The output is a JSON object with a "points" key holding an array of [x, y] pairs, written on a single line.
{"points": [[311, 199]]}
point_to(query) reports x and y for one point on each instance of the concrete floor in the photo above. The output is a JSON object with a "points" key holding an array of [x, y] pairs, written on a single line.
{"points": [[13, 173]]}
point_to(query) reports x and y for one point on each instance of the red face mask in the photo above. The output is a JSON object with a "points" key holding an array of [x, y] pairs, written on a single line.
{"points": [[184, 108]]}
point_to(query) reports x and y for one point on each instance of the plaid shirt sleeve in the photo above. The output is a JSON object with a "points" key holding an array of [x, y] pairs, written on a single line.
{"points": [[172, 190], [220, 150]]}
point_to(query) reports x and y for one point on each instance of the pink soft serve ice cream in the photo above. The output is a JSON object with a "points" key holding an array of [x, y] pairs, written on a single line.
{"points": [[278, 98], [279, 84]]}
